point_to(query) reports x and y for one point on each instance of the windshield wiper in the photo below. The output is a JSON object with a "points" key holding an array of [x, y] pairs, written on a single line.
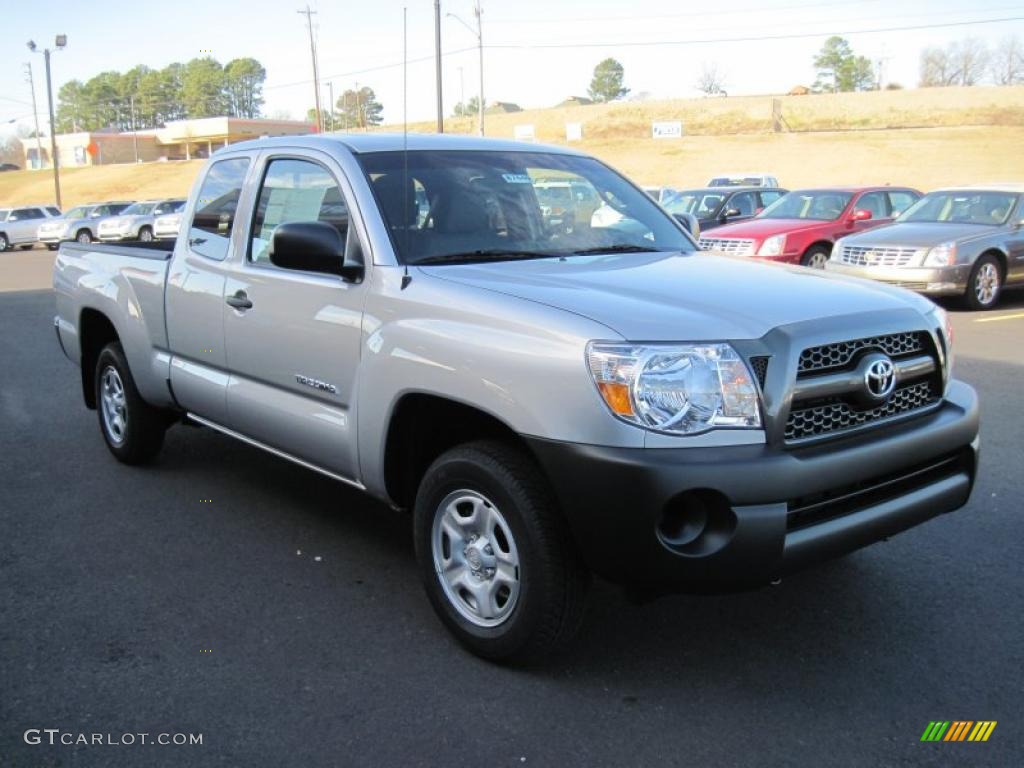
{"points": [[615, 249], [483, 255]]}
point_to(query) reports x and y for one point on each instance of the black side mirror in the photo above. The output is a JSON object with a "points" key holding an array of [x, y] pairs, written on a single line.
{"points": [[314, 246]]}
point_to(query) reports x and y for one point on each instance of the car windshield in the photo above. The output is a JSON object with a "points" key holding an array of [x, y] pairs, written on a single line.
{"points": [[488, 206], [168, 206], [138, 209], [990, 208], [77, 213], [819, 205], [698, 203]]}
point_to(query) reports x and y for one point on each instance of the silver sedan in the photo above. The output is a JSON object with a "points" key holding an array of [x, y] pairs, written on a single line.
{"points": [[965, 242]]}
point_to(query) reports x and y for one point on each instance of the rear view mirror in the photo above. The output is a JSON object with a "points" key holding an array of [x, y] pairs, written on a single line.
{"points": [[861, 214], [313, 246]]}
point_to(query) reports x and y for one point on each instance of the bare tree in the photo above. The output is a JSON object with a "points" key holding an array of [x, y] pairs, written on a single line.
{"points": [[970, 58], [937, 68], [1007, 63], [711, 81]]}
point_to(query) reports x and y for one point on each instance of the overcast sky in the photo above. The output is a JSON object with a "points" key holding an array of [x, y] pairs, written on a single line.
{"points": [[362, 42]]}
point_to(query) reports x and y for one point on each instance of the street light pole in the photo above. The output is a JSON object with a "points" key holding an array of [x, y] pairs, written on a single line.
{"points": [[437, 63], [59, 43], [316, 74]]}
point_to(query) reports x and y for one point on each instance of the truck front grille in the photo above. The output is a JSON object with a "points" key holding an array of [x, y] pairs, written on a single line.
{"points": [[867, 256], [837, 415], [733, 246], [839, 355]]}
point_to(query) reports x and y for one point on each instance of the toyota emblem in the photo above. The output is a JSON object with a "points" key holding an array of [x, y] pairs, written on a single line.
{"points": [[880, 378]]}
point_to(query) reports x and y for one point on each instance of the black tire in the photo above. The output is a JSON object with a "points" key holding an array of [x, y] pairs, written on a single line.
{"points": [[4, 242], [816, 257], [981, 278], [51, 246], [552, 582], [146, 235], [84, 236], [142, 434]]}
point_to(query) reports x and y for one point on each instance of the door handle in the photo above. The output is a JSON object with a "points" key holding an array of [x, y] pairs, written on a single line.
{"points": [[239, 300]]}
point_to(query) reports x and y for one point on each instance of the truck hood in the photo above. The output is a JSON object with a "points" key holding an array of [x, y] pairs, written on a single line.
{"points": [[682, 296], [762, 228], [919, 235]]}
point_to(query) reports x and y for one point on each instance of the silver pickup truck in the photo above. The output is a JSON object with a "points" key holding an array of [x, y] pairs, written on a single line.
{"points": [[548, 404]]}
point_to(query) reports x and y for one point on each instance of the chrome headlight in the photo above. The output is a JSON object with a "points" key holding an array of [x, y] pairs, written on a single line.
{"points": [[941, 255], [678, 389], [773, 246]]}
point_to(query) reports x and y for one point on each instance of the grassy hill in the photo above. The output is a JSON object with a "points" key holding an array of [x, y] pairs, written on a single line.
{"points": [[925, 138]]}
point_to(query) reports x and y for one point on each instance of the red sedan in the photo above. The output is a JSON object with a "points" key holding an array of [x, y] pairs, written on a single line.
{"points": [[800, 227]]}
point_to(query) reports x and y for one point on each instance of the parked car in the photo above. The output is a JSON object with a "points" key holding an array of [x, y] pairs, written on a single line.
{"points": [[166, 226], [79, 223], [546, 404], [800, 227], [564, 202], [659, 194], [20, 226], [747, 179], [136, 221], [965, 242], [716, 206], [9, 167]]}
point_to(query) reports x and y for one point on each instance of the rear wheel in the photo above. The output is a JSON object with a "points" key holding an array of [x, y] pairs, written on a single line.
{"points": [[84, 236], [146, 235], [985, 284], [4, 242], [133, 429], [815, 257], [494, 554], [51, 246]]}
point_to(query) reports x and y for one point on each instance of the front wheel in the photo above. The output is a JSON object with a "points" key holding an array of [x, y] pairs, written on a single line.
{"points": [[51, 246], [146, 235], [815, 257], [984, 285], [84, 237], [494, 554], [4, 243], [132, 429]]}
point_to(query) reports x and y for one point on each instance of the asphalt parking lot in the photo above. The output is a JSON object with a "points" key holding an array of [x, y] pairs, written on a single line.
{"points": [[225, 592]]}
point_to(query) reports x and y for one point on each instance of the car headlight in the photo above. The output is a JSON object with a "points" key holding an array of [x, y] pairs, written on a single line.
{"points": [[941, 255], [679, 389], [773, 246]]}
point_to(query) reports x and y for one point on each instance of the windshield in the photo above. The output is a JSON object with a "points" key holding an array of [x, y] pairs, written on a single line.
{"points": [[138, 209], [169, 206], [77, 213], [489, 206], [990, 208], [819, 205], [700, 204]]}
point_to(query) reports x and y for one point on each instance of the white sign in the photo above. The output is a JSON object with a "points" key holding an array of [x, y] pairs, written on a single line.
{"points": [[523, 132], [574, 131], [667, 130]]}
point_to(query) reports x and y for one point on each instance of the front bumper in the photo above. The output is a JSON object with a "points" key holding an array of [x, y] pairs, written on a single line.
{"points": [[110, 236], [766, 511], [51, 237], [933, 281]]}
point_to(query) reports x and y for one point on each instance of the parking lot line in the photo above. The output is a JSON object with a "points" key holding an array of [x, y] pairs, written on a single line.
{"points": [[1013, 316]]}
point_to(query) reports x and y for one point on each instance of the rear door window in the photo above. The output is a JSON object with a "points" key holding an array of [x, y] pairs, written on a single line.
{"points": [[214, 218], [27, 214]]}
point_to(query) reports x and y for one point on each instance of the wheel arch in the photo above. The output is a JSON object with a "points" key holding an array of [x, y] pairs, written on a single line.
{"points": [[95, 331]]}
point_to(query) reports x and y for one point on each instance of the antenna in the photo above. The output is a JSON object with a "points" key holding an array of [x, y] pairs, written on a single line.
{"points": [[406, 278]]}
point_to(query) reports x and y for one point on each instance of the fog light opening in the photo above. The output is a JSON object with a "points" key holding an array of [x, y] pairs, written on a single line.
{"points": [[696, 522]]}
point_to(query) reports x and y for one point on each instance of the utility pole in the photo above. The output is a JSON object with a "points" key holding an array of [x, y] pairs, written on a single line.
{"points": [[478, 11], [330, 90], [59, 43], [316, 73], [437, 58], [35, 115], [135, 134]]}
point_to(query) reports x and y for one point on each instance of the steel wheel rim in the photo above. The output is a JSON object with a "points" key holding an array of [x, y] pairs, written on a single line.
{"points": [[817, 260], [986, 284], [113, 405], [475, 558]]}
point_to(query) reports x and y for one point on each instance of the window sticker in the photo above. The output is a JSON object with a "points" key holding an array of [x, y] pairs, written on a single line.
{"points": [[516, 178]]}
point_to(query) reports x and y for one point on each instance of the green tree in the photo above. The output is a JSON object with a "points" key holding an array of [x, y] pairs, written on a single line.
{"points": [[358, 109], [606, 84], [469, 109], [840, 70], [71, 106], [202, 88], [243, 82]]}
